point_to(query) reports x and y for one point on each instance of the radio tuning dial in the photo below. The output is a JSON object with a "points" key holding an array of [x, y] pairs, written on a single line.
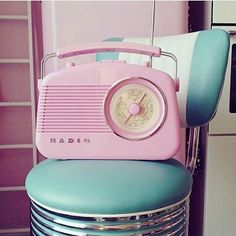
{"points": [[135, 108]]}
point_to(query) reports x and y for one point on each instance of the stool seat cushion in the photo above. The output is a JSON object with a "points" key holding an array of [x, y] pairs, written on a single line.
{"points": [[107, 187]]}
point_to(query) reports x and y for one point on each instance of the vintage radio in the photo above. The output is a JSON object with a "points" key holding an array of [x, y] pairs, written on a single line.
{"points": [[108, 109]]}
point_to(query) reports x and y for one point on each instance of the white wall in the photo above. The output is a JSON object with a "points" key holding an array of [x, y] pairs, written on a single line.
{"points": [[72, 22]]}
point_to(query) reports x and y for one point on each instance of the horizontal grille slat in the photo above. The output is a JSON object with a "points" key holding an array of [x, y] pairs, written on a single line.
{"points": [[83, 109], [72, 95], [82, 125], [72, 101], [67, 115], [48, 120], [67, 108]]}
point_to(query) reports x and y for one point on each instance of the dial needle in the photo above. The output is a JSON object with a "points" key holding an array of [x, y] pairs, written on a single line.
{"points": [[142, 98], [128, 119]]}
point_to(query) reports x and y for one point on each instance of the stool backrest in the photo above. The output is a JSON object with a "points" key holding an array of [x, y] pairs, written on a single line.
{"points": [[202, 59]]}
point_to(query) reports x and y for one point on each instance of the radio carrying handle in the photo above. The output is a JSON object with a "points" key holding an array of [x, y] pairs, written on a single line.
{"points": [[143, 49], [109, 47]]}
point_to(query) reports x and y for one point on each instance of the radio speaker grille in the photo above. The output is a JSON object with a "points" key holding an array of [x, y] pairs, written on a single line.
{"points": [[67, 108]]}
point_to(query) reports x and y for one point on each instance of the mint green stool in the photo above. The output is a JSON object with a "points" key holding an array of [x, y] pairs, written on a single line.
{"points": [[111, 197], [81, 197]]}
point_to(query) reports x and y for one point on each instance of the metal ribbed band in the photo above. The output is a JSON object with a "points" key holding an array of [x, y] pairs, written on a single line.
{"points": [[168, 222]]}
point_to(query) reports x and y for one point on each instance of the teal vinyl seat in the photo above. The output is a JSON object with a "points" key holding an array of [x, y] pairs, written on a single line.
{"points": [[138, 190], [113, 197], [119, 187]]}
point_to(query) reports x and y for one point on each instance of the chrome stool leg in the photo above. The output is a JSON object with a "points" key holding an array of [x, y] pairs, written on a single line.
{"points": [[192, 149], [169, 221]]}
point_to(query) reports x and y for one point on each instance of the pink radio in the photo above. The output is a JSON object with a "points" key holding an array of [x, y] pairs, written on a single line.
{"points": [[108, 109]]}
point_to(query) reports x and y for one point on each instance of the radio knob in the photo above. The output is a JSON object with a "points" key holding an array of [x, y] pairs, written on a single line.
{"points": [[134, 109]]}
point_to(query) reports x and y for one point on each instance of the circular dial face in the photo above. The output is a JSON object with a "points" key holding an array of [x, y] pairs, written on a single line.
{"points": [[134, 108]]}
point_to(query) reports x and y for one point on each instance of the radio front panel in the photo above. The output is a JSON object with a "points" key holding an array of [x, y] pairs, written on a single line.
{"points": [[108, 110]]}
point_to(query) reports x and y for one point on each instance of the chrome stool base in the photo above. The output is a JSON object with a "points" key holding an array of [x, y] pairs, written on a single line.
{"points": [[169, 221]]}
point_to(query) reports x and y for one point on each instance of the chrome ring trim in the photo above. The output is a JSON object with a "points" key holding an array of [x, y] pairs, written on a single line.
{"points": [[42, 231], [114, 217], [168, 215], [33, 233], [162, 96], [162, 224], [168, 226], [182, 229]]}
